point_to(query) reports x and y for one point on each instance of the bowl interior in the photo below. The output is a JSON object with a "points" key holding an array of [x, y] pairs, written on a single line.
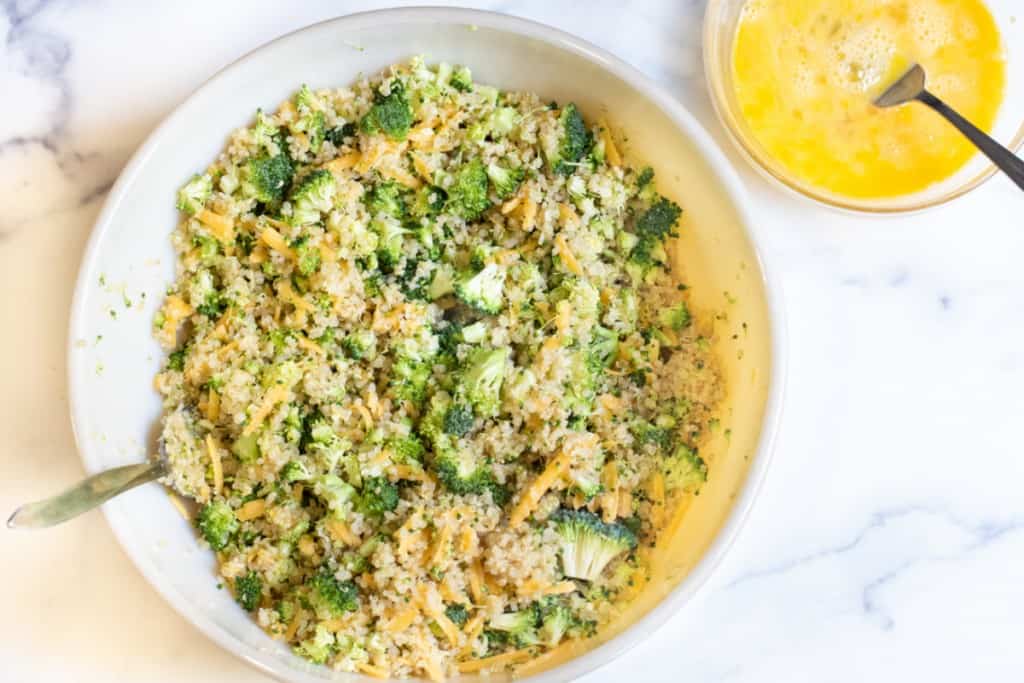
{"points": [[129, 262], [720, 22]]}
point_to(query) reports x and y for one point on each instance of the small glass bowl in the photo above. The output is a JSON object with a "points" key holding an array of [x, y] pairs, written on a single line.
{"points": [[720, 23]]}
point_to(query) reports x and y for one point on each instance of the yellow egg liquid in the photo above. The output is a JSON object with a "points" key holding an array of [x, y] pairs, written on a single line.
{"points": [[806, 71]]}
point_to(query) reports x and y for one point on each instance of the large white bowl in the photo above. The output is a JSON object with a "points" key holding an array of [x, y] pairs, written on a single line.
{"points": [[114, 409]]}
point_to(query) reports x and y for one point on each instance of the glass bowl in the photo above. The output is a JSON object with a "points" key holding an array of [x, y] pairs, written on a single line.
{"points": [[720, 23]]}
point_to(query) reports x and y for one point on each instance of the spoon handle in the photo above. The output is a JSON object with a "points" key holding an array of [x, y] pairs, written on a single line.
{"points": [[1007, 161], [83, 496]]}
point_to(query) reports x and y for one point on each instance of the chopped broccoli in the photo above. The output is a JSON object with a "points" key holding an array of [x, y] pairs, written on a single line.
{"points": [[388, 198], [428, 201], [266, 135], [481, 382], [506, 181], [330, 597], [467, 197], [658, 221], [475, 333], [360, 344], [462, 473], [407, 448], [390, 114], [676, 317], [414, 362], [307, 257], [685, 470], [313, 196], [334, 492], [484, 290], [319, 647], [176, 361], [217, 523], [458, 614], [310, 121], [589, 544], [337, 136], [193, 195], [391, 241], [461, 79], [644, 178], [377, 496], [604, 345], [248, 591], [645, 432], [246, 448], [293, 471], [458, 420], [556, 619], [266, 178], [585, 473], [521, 626], [573, 141], [502, 121]]}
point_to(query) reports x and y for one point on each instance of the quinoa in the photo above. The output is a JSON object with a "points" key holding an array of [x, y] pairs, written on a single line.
{"points": [[431, 380]]}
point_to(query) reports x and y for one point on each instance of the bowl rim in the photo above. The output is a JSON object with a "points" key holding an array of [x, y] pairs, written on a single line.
{"points": [[716, 87], [725, 174]]}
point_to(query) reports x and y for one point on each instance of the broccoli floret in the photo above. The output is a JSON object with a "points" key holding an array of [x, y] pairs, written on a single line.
{"points": [[334, 492], [307, 257], [461, 79], [310, 121], [330, 597], [313, 196], [428, 201], [377, 496], [502, 121], [585, 473], [581, 384], [457, 614], [589, 544], [319, 647], [481, 382], [266, 178], [176, 361], [658, 221], [266, 135], [246, 448], [391, 241], [390, 114], [217, 523], [407, 448], [337, 136], [520, 626], [604, 346], [462, 472], [467, 197], [193, 195], [248, 591], [644, 178], [412, 367], [413, 287], [484, 290], [360, 344], [645, 432], [294, 471], [506, 181], [388, 198], [556, 619], [571, 144], [676, 317], [458, 420], [685, 470]]}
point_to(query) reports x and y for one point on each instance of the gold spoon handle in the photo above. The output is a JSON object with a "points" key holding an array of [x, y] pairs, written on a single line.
{"points": [[84, 496]]}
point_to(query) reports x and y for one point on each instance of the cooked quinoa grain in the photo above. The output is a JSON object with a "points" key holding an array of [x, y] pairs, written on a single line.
{"points": [[430, 380]]}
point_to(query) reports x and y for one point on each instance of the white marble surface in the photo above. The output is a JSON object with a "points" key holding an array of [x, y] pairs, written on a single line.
{"points": [[888, 541]]}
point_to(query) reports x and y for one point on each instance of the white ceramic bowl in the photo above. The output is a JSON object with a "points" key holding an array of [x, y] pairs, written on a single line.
{"points": [[129, 258]]}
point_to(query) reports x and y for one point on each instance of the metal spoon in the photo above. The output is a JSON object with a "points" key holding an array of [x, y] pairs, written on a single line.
{"points": [[86, 495], [910, 86]]}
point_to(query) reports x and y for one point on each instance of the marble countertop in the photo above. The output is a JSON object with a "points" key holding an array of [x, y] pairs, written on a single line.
{"points": [[887, 543]]}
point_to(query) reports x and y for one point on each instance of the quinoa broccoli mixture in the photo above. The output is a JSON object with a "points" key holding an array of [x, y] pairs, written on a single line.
{"points": [[431, 384]]}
